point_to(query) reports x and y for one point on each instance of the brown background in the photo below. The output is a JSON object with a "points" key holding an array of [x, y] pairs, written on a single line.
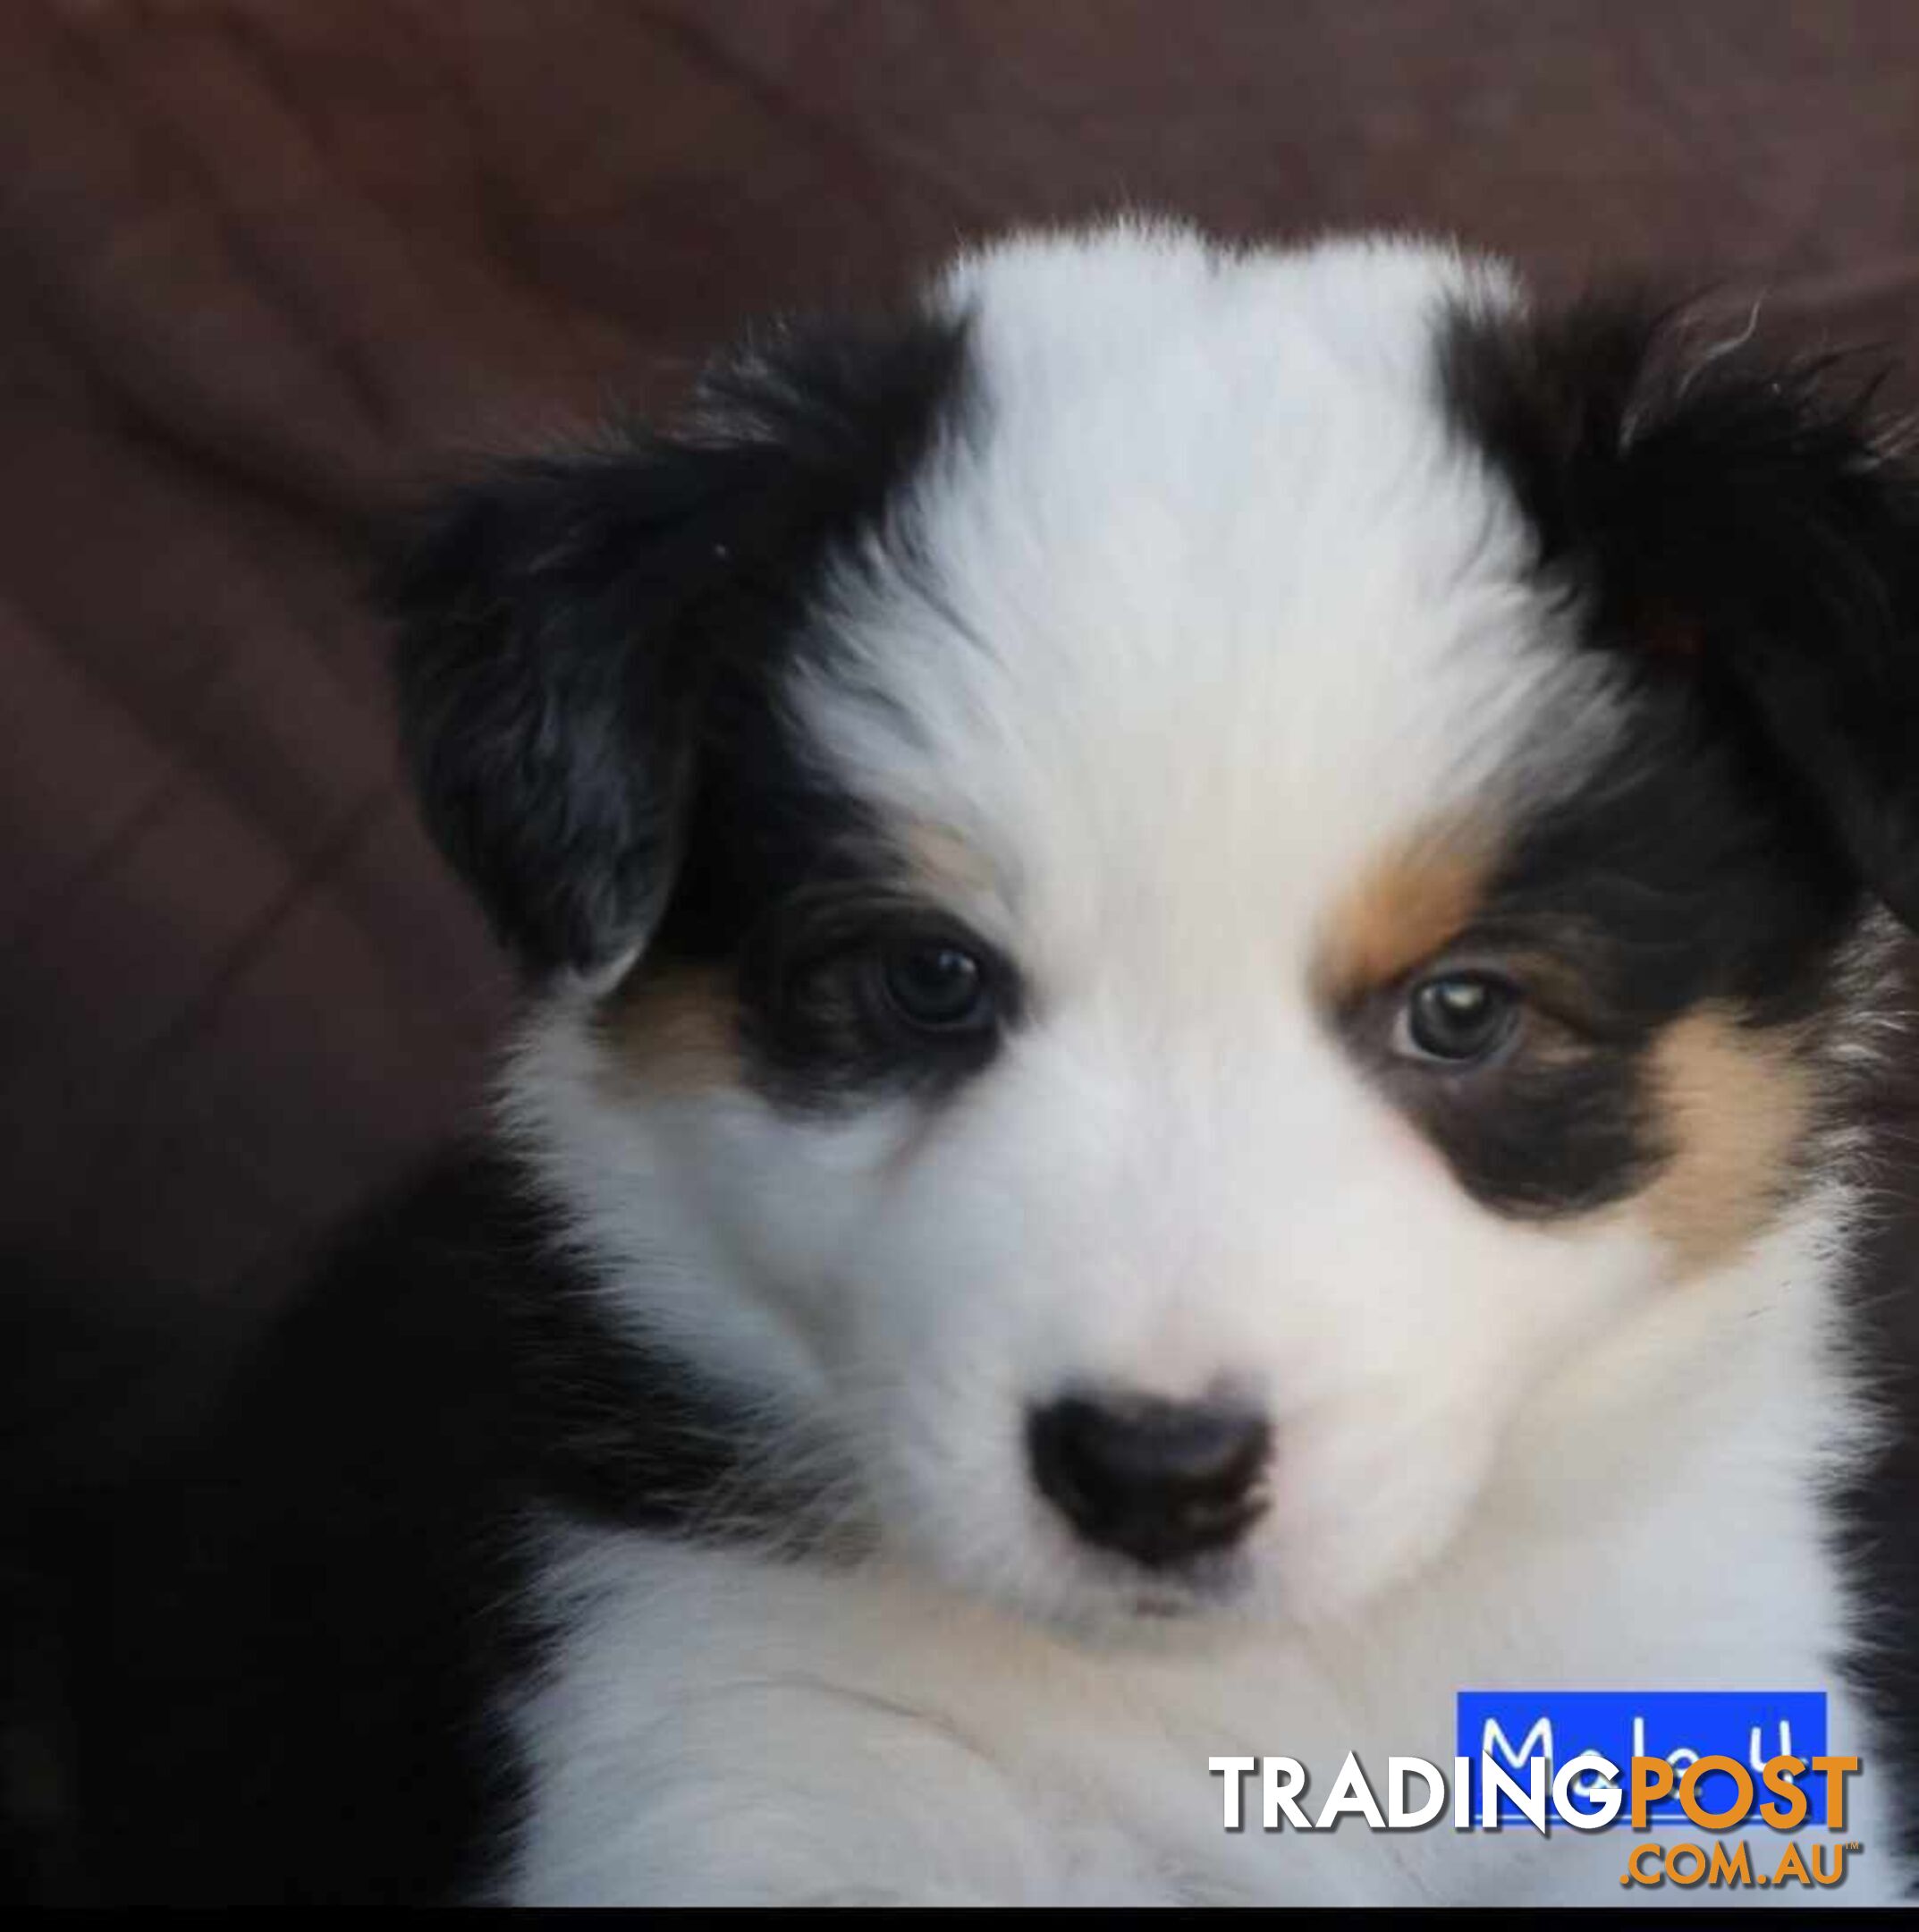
{"points": [[265, 263]]}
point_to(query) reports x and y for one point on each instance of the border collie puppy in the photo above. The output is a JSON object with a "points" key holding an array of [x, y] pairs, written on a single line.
{"points": [[1204, 928]]}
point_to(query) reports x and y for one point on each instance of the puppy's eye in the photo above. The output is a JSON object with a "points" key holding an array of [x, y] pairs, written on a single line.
{"points": [[937, 986], [1457, 1018]]}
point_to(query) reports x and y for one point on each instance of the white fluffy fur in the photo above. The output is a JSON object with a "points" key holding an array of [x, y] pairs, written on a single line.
{"points": [[1216, 611]]}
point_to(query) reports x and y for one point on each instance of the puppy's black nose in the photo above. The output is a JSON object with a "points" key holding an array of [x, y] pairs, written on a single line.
{"points": [[1159, 1481]]}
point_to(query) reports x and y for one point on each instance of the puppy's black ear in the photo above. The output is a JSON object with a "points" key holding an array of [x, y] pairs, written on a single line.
{"points": [[1734, 523], [565, 620]]}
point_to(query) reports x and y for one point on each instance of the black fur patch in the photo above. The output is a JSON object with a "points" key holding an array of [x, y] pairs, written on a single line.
{"points": [[286, 1662], [792, 890], [1731, 526], [1732, 536], [589, 639], [817, 1025], [592, 673]]}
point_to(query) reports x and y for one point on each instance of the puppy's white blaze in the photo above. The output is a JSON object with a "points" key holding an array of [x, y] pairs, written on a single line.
{"points": [[1208, 606]]}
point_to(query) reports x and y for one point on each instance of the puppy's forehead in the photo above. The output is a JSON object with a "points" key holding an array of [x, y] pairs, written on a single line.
{"points": [[1197, 602]]}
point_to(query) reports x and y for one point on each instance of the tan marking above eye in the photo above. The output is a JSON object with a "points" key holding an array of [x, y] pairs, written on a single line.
{"points": [[944, 862], [1735, 1105], [1404, 909]]}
